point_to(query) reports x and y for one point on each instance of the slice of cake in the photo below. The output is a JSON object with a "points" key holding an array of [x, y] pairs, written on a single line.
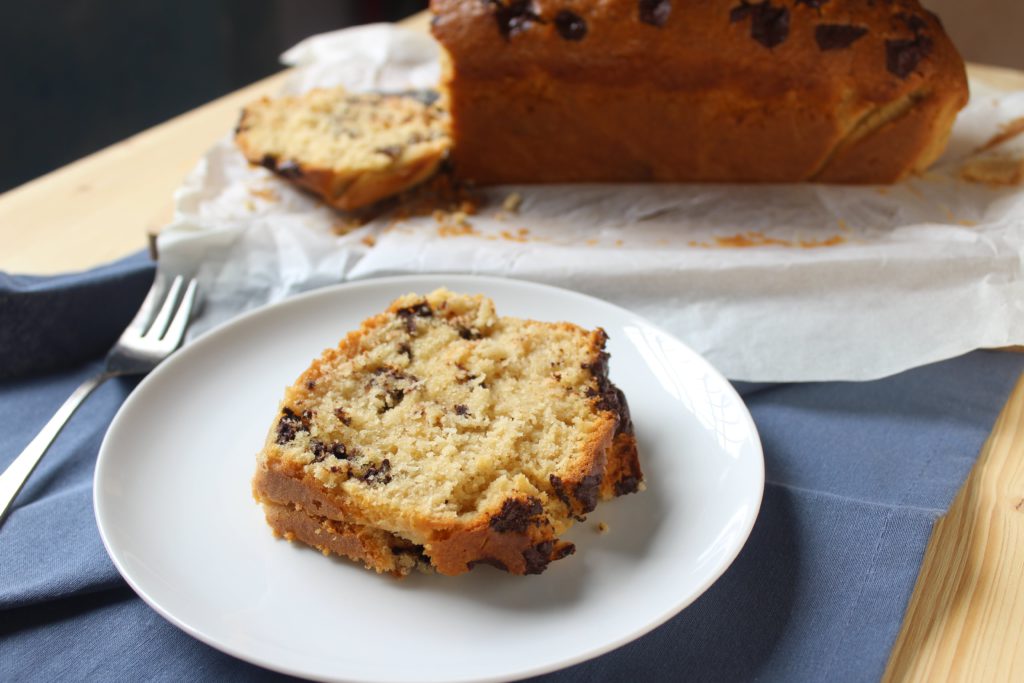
{"points": [[441, 436], [350, 149]]}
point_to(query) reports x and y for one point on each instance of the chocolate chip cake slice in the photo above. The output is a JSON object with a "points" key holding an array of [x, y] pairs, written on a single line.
{"points": [[350, 149], [441, 436]]}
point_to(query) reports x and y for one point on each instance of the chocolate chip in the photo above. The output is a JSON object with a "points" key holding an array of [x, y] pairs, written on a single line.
{"points": [[322, 450], [559, 486], [628, 484], [464, 375], [654, 12], [514, 16], [393, 373], [422, 309], [342, 416], [379, 474], [538, 557], [319, 452], [903, 56], [417, 551], [461, 409], [390, 151], [516, 515], [311, 385], [837, 36], [814, 4], [913, 21], [391, 394], [562, 551], [586, 492], [410, 313], [392, 398], [570, 25], [289, 169], [768, 25], [468, 334], [269, 161], [288, 426], [492, 561], [404, 349]]}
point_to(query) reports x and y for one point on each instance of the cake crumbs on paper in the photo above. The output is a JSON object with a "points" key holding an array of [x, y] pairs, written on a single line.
{"points": [[602, 528], [453, 223], [369, 240], [440, 194], [266, 193], [520, 235], [456, 230], [393, 224], [756, 238], [512, 203], [344, 224]]}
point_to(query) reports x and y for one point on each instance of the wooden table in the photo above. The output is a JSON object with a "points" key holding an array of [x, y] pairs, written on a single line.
{"points": [[966, 618]]}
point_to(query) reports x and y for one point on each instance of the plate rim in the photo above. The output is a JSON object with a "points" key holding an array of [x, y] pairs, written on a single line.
{"points": [[440, 280]]}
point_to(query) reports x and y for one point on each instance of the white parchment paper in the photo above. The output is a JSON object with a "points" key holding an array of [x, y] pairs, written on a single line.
{"points": [[770, 283]]}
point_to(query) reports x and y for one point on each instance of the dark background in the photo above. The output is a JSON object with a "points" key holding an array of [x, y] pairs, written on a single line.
{"points": [[78, 75]]}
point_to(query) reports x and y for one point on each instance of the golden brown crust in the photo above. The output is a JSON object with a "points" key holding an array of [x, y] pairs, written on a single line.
{"points": [[724, 90], [375, 549]]}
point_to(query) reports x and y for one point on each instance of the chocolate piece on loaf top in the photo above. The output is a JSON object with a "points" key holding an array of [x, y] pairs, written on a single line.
{"points": [[570, 25], [513, 16], [903, 56], [769, 25], [837, 36], [654, 12]]}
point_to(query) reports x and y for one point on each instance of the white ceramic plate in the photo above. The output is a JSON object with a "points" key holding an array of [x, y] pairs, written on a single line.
{"points": [[175, 511]]}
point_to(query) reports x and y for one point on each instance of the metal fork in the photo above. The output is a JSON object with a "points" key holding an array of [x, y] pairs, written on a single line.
{"points": [[146, 342]]}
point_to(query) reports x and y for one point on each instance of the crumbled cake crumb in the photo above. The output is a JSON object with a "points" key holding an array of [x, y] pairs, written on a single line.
{"points": [[512, 203]]}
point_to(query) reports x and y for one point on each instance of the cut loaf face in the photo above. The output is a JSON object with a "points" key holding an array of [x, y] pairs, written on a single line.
{"points": [[441, 436], [350, 149]]}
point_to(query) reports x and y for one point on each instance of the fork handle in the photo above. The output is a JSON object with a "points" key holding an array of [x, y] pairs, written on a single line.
{"points": [[17, 473]]}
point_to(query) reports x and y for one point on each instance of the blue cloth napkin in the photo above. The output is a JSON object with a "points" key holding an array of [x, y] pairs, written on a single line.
{"points": [[857, 475]]}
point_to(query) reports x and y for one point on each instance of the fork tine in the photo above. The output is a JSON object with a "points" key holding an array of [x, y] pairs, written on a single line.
{"points": [[156, 330], [145, 313], [176, 330]]}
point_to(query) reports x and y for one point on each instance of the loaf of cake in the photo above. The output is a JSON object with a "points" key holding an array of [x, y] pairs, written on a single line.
{"points": [[352, 150], [550, 91], [439, 436]]}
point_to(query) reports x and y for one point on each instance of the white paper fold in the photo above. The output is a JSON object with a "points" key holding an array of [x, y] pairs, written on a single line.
{"points": [[770, 283]]}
